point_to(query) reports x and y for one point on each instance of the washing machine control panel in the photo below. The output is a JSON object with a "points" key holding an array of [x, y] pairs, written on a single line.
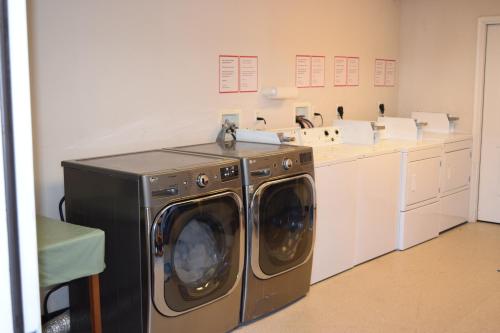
{"points": [[320, 136], [193, 182], [229, 173]]}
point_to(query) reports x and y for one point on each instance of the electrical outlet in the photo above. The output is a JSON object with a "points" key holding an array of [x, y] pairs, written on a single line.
{"points": [[230, 115], [303, 109]]}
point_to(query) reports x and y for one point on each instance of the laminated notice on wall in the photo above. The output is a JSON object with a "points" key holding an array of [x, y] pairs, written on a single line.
{"points": [[302, 71], [346, 71], [238, 73], [340, 68], [228, 74], [390, 73], [385, 73], [379, 72], [248, 73], [317, 71], [353, 71]]}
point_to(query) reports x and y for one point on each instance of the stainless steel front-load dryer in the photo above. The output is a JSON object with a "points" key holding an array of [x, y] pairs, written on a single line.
{"points": [[174, 240], [279, 196]]}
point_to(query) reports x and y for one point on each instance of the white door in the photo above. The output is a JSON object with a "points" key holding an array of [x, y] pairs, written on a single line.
{"points": [[489, 178]]}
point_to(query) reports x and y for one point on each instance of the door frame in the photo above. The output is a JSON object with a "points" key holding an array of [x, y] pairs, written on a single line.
{"points": [[17, 150], [477, 130]]}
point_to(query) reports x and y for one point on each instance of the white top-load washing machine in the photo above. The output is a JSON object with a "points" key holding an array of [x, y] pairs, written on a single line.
{"points": [[456, 166]]}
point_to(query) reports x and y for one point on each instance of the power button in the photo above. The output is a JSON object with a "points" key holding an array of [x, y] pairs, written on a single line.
{"points": [[287, 163]]}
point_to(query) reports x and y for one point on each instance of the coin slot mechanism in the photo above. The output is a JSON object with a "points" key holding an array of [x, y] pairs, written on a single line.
{"points": [[261, 173], [166, 192]]}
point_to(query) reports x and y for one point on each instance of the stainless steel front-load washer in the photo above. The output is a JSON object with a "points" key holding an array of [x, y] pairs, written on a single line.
{"points": [[278, 186], [174, 226]]}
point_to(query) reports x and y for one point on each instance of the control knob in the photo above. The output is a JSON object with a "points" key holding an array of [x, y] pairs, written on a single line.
{"points": [[287, 163], [202, 180]]}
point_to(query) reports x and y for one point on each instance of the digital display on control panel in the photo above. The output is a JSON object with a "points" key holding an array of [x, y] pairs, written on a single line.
{"points": [[229, 173], [306, 158]]}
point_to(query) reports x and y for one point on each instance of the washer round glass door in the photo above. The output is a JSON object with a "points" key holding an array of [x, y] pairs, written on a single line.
{"points": [[283, 213], [197, 252]]}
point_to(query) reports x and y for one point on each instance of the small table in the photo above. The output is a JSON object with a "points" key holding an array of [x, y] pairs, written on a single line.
{"points": [[67, 252]]}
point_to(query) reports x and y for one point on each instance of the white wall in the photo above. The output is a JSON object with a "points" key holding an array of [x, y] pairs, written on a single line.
{"points": [[117, 76], [437, 58]]}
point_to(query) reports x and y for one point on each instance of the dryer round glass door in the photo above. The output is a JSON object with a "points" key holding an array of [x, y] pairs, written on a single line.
{"points": [[198, 252], [283, 213]]}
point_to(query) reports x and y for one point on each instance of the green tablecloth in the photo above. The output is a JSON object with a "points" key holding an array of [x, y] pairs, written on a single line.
{"points": [[67, 251]]}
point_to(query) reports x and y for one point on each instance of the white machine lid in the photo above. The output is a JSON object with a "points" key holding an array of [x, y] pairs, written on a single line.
{"points": [[333, 154], [447, 137], [410, 145]]}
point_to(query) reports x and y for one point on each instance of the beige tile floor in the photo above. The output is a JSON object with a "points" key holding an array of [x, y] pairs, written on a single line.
{"points": [[449, 284]]}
